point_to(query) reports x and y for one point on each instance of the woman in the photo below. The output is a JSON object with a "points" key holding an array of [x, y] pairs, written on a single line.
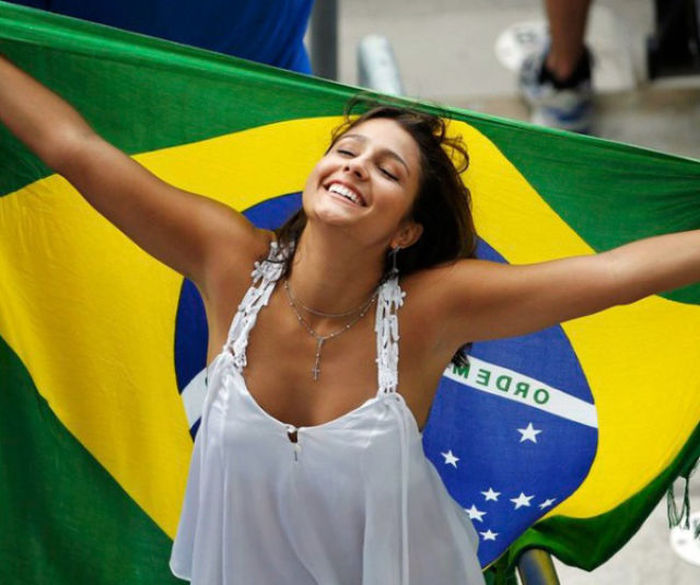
{"points": [[308, 467]]}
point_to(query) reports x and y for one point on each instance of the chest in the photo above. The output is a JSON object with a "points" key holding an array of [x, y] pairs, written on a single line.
{"points": [[302, 380], [282, 354]]}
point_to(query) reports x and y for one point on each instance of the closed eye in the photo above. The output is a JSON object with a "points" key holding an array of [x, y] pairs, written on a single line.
{"points": [[345, 152], [388, 174]]}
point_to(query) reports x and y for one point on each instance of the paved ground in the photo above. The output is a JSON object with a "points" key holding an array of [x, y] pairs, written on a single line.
{"points": [[445, 51]]}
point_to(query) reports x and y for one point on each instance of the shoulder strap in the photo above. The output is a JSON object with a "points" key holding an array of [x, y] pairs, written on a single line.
{"points": [[265, 274], [389, 300]]}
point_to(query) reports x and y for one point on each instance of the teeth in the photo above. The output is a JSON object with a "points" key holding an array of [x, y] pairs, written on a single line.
{"points": [[345, 192]]}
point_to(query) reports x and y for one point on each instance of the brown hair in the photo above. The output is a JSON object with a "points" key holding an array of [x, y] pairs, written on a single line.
{"points": [[443, 203]]}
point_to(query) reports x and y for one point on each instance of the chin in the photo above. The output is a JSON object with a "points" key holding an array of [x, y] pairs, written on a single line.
{"points": [[327, 210], [330, 217]]}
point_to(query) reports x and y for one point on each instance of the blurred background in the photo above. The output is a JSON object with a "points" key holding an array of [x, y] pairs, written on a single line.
{"points": [[446, 51]]}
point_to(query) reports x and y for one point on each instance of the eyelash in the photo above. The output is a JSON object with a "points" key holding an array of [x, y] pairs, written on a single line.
{"points": [[386, 173]]}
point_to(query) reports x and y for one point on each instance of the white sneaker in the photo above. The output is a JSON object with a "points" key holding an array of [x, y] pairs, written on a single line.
{"points": [[568, 109]]}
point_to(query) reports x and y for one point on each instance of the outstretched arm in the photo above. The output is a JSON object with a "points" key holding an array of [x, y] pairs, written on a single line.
{"points": [[185, 231], [486, 300]]}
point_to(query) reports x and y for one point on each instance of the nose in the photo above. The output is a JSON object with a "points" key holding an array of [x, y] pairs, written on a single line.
{"points": [[356, 167]]}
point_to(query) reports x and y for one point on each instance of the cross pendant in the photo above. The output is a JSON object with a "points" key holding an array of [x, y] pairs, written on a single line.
{"points": [[316, 370]]}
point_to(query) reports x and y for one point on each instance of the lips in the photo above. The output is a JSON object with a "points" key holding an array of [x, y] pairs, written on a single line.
{"points": [[346, 192]]}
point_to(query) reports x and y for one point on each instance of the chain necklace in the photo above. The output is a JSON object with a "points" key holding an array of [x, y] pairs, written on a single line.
{"points": [[321, 339], [297, 303]]}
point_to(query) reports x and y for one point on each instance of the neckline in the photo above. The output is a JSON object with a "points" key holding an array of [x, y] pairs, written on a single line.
{"points": [[277, 421], [379, 396], [337, 420]]}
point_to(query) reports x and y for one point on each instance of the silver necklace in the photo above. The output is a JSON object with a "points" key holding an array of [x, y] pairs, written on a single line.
{"points": [[299, 305], [321, 339]]}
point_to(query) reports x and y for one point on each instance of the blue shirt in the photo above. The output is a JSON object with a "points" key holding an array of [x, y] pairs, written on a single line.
{"points": [[269, 31]]}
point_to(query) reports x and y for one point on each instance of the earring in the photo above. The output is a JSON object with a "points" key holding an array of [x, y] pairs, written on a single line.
{"points": [[393, 253]]}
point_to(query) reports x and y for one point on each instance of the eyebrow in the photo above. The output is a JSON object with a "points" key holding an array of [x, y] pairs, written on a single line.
{"points": [[385, 151]]}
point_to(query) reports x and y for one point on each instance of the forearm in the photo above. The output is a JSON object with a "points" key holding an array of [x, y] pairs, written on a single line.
{"points": [[656, 264], [39, 118]]}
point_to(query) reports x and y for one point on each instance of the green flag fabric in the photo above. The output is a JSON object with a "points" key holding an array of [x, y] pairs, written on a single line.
{"points": [[564, 439]]}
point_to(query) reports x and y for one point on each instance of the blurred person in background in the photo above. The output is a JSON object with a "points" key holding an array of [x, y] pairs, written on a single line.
{"points": [[556, 82], [270, 32]]}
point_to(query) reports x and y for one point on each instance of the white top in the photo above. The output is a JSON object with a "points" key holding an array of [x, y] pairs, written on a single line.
{"points": [[352, 501]]}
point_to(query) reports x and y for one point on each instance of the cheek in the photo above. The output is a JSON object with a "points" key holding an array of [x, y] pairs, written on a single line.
{"points": [[397, 206]]}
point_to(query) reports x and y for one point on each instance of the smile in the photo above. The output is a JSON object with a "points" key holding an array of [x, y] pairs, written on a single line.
{"points": [[347, 193]]}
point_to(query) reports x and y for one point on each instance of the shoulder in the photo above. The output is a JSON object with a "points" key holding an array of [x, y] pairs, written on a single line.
{"points": [[230, 273], [229, 280], [441, 285], [424, 310], [442, 301]]}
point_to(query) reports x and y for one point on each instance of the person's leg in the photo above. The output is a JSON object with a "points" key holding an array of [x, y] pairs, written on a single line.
{"points": [[556, 82], [567, 28]]}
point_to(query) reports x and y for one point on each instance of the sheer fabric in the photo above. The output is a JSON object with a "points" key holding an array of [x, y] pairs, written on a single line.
{"points": [[349, 502]]}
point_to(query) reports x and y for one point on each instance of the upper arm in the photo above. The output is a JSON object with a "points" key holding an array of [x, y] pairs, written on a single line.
{"points": [[482, 300], [188, 232]]}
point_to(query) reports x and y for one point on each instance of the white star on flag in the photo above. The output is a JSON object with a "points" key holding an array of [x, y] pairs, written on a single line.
{"points": [[450, 459], [529, 433], [488, 535], [521, 500], [475, 514], [547, 503], [491, 495]]}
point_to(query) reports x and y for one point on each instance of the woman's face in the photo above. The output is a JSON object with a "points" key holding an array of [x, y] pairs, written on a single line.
{"points": [[367, 182]]}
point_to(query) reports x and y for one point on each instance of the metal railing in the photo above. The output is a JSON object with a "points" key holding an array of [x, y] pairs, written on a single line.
{"points": [[535, 567], [323, 36]]}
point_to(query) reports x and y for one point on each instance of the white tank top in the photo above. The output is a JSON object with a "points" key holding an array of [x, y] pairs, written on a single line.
{"points": [[353, 501]]}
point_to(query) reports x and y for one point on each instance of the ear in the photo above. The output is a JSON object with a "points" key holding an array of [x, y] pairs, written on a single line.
{"points": [[407, 235]]}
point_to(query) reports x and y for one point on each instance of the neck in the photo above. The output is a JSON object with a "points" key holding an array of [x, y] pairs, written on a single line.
{"points": [[332, 273]]}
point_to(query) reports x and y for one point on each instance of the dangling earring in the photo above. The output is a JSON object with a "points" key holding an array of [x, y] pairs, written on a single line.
{"points": [[393, 253]]}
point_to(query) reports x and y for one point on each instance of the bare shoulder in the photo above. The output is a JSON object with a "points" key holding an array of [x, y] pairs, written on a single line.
{"points": [[229, 279], [426, 342], [441, 286], [443, 300], [431, 298], [230, 269]]}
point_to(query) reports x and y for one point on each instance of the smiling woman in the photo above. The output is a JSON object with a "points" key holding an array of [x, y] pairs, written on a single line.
{"points": [[438, 222], [308, 466], [441, 204]]}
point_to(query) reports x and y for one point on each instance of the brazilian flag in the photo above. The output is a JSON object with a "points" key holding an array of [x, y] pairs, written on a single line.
{"points": [[564, 439]]}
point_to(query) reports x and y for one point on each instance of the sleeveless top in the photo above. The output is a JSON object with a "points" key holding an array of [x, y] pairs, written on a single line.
{"points": [[353, 501]]}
